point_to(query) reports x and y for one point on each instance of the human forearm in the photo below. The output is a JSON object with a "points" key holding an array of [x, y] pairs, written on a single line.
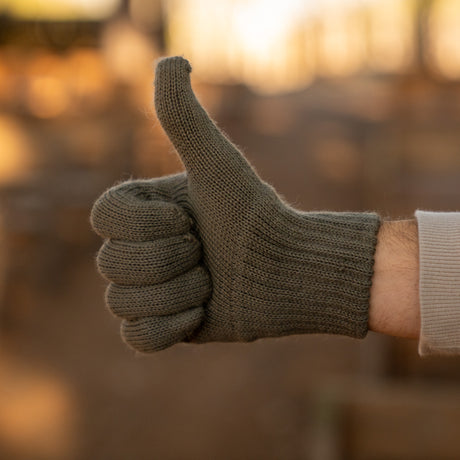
{"points": [[394, 302]]}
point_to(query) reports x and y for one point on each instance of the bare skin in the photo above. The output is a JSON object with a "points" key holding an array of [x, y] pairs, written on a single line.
{"points": [[394, 303]]}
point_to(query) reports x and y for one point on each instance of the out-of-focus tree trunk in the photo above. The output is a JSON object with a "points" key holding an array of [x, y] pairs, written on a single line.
{"points": [[421, 39]]}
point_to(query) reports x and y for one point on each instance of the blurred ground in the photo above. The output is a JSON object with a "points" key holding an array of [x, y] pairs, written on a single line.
{"points": [[70, 126]]}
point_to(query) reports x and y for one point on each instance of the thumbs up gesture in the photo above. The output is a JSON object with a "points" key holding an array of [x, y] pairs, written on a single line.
{"points": [[214, 254]]}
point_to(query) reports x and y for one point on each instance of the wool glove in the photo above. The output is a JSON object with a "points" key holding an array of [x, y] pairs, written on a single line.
{"points": [[214, 254]]}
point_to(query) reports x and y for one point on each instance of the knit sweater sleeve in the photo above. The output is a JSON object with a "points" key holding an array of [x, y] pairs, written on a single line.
{"points": [[439, 250]]}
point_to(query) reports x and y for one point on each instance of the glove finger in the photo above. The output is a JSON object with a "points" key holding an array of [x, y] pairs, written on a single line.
{"points": [[149, 262], [156, 333], [210, 158], [186, 291], [141, 210]]}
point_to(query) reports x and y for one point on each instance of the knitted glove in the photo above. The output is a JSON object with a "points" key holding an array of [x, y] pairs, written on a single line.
{"points": [[214, 254]]}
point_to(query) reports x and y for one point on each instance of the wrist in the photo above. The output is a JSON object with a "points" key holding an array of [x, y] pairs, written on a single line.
{"points": [[394, 302]]}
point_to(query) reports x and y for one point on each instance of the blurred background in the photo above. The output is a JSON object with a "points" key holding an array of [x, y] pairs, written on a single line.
{"points": [[343, 105]]}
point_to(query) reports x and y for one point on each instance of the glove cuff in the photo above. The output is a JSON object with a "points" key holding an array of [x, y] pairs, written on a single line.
{"points": [[314, 273]]}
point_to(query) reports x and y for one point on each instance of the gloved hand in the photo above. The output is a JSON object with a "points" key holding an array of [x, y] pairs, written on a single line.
{"points": [[214, 254]]}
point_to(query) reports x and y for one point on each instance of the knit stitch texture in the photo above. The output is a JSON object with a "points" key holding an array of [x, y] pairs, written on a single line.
{"points": [[214, 254]]}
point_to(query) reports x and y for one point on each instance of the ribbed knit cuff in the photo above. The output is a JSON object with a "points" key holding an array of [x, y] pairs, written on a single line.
{"points": [[347, 249], [439, 244], [315, 276]]}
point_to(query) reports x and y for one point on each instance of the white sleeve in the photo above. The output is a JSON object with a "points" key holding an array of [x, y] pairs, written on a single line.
{"points": [[439, 255]]}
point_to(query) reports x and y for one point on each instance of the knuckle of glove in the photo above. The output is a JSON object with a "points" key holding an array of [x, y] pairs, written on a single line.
{"points": [[138, 211], [184, 292], [150, 262], [156, 333]]}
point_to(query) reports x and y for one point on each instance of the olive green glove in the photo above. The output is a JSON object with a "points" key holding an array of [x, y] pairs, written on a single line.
{"points": [[214, 254]]}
